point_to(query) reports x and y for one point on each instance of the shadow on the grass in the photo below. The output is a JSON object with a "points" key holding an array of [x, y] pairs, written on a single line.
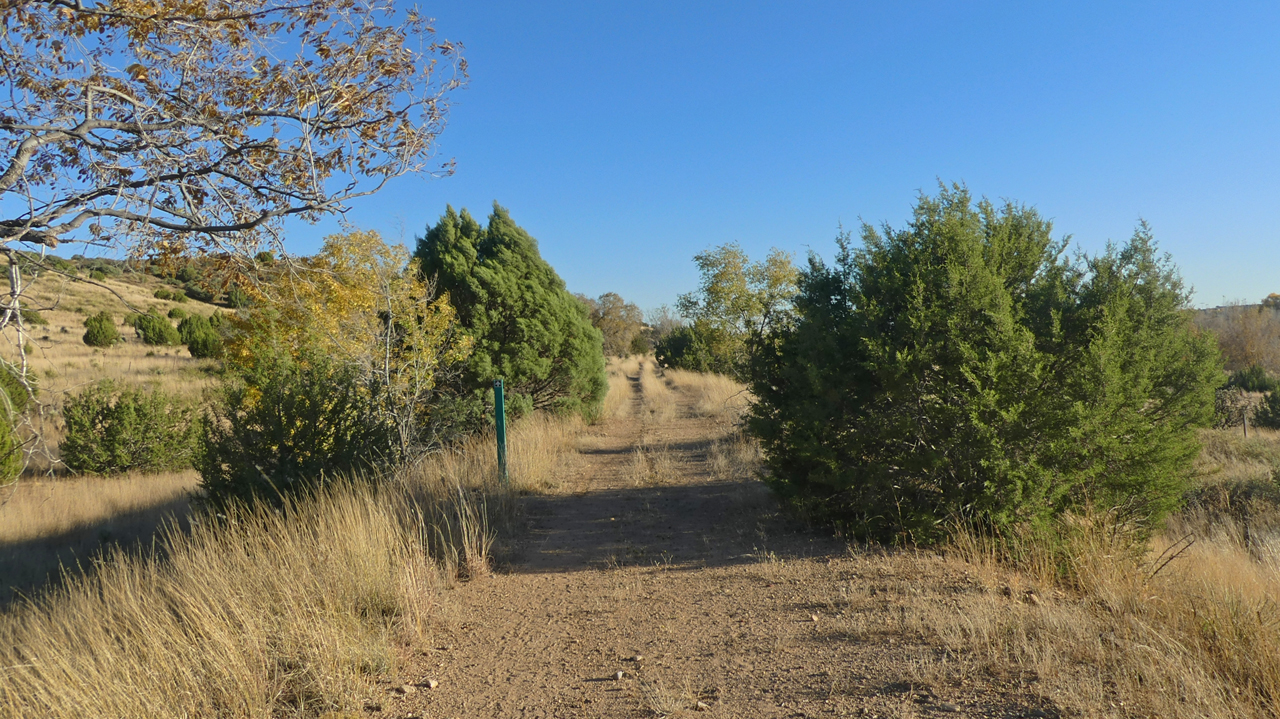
{"points": [[29, 567]]}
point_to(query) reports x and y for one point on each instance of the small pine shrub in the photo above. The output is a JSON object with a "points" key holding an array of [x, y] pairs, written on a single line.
{"points": [[238, 298], [196, 292], [282, 426], [32, 317], [201, 339], [178, 296], [188, 274], [111, 429], [163, 294], [156, 330], [177, 313], [1268, 413], [100, 330], [1252, 379], [97, 275]]}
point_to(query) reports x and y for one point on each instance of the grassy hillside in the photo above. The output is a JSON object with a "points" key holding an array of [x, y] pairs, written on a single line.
{"points": [[64, 365]]}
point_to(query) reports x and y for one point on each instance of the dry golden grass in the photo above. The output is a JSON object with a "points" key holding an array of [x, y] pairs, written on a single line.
{"points": [[617, 403], [658, 401], [268, 613], [1182, 627], [714, 395], [45, 524]]}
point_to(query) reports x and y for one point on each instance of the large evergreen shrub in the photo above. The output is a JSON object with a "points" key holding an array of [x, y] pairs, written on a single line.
{"points": [[100, 330], [963, 367], [282, 425], [14, 400], [153, 329], [527, 328], [112, 429]]}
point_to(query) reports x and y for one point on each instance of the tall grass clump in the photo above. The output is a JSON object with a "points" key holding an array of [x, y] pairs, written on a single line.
{"points": [[1179, 625], [714, 395], [270, 611], [657, 399]]}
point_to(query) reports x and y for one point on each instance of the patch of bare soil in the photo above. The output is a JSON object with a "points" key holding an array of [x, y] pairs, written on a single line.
{"points": [[653, 583]]}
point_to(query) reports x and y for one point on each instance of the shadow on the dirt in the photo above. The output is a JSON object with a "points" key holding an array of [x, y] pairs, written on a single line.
{"points": [[704, 524]]}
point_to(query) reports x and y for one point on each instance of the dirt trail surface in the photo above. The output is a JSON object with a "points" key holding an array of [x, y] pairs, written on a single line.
{"points": [[652, 584]]}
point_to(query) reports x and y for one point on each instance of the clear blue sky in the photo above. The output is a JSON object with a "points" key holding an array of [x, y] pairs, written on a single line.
{"points": [[626, 137]]}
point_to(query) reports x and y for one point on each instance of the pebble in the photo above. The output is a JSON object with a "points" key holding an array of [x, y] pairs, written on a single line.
{"points": [[637, 658], [619, 675], [702, 706], [944, 707], [814, 617], [431, 683]]}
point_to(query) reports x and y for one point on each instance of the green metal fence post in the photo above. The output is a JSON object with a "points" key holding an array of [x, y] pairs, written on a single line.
{"points": [[500, 422]]}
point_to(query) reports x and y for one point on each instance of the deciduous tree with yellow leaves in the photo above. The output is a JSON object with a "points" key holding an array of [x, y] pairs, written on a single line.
{"points": [[348, 366]]}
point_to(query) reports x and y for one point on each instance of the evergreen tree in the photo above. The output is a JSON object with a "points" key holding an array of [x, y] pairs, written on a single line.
{"points": [[100, 330], [964, 367], [528, 329]]}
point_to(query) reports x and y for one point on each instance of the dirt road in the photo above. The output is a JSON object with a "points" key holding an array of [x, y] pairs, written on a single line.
{"points": [[659, 580]]}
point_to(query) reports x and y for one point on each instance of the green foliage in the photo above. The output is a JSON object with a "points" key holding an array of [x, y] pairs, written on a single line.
{"points": [[527, 328], [619, 321], [736, 299], [33, 317], [175, 295], [97, 275], [1268, 413], [177, 313], [14, 400], [1253, 378], [112, 429], [196, 291], [100, 330], [153, 329], [964, 368], [282, 426], [200, 337], [237, 298], [640, 344], [188, 274]]}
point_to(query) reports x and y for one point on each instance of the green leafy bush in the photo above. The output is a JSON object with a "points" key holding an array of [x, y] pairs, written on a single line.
{"points": [[97, 275], [163, 294], [237, 298], [153, 329], [527, 328], [33, 317], [1252, 379], [112, 429], [282, 426], [100, 330], [964, 368], [200, 337], [14, 400], [177, 313]]}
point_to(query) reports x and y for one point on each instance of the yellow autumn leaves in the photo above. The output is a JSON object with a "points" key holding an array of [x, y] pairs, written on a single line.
{"points": [[360, 303]]}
